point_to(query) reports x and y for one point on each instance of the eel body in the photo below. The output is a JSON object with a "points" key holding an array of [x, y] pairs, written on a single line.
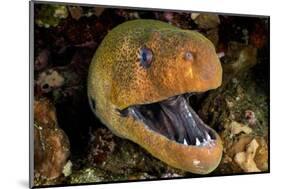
{"points": [[139, 84]]}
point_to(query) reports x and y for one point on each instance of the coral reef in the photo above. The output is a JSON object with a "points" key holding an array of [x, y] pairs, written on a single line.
{"points": [[84, 151]]}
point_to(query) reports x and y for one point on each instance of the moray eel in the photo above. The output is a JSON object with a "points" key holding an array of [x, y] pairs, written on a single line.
{"points": [[139, 84]]}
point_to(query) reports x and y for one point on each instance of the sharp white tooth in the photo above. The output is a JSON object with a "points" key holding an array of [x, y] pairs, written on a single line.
{"points": [[208, 136], [204, 142], [184, 142], [197, 142]]}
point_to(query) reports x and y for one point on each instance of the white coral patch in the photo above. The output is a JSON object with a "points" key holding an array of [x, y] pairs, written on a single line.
{"points": [[53, 79]]}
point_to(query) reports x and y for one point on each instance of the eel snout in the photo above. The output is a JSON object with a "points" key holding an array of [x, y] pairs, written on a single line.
{"points": [[184, 131]]}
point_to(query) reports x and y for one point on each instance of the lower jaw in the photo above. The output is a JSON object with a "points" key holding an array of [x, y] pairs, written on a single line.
{"points": [[194, 159], [198, 159]]}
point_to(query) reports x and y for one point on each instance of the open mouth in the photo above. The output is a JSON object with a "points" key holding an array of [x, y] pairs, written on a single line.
{"points": [[175, 119]]}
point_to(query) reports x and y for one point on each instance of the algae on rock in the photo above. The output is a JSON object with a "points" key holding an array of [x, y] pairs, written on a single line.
{"points": [[51, 15]]}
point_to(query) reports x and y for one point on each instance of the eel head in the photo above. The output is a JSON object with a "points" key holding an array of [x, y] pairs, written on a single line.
{"points": [[151, 85]]}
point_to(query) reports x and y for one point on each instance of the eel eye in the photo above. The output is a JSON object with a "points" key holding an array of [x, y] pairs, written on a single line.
{"points": [[188, 56], [145, 57]]}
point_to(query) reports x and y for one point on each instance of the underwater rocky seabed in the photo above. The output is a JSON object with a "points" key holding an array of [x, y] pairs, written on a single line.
{"points": [[72, 146]]}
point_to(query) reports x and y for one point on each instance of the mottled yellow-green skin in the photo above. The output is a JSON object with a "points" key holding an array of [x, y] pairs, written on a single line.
{"points": [[116, 80]]}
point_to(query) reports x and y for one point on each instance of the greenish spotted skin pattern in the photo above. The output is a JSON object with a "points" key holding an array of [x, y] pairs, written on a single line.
{"points": [[116, 81]]}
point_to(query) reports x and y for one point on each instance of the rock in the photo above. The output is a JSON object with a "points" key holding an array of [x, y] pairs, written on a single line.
{"points": [[261, 157], [141, 176], [76, 12], [246, 159], [237, 128], [128, 157], [98, 11], [239, 145], [94, 175], [50, 15], [49, 80], [66, 77], [238, 59], [213, 36], [194, 15], [170, 175], [128, 14], [67, 169], [51, 145], [88, 175], [168, 16], [259, 35], [122, 157], [42, 60], [101, 146], [60, 11], [206, 21]]}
